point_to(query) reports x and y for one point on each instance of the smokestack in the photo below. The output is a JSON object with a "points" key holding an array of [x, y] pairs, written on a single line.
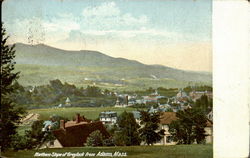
{"points": [[62, 124], [78, 118], [126, 99]]}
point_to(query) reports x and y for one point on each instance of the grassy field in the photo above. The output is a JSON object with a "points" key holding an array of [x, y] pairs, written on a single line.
{"points": [[175, 151], [88, 112]]}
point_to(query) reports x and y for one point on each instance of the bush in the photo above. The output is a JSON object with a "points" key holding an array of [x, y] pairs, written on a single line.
{"points": [[95, 139], [109, 142], [118, 139], [21, 142]]}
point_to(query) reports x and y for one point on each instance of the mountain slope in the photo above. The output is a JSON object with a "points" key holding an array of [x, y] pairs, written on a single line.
{"points": [[95, 65]]}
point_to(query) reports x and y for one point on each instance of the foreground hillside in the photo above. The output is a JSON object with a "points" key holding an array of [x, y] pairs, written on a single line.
{"points": [[175, 151], [41, 63]]}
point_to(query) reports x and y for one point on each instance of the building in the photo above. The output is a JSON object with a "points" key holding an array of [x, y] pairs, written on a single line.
{"points": [[75, 133], [109, 117], [194, 95], [152, 110], [182, 96], [181, 93], [51, 144], [152, 98], [209, 132], [137, 116], [167, 117], [185, 107], [149, 99], [122, 101], [47, 126], [67, 102]]}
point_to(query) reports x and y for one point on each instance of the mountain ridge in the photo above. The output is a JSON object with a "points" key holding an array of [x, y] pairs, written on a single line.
{"points": [[99, 65]]}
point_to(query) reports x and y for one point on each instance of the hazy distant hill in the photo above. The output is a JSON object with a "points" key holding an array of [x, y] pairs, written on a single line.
{"points": [[41, 61]]}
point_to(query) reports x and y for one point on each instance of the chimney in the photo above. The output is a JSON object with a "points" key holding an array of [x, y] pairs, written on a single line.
{"points": [[78, 118], [126, 100], [62, 124]]}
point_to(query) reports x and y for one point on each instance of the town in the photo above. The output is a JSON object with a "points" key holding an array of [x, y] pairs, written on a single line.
{"points": [[76, 132]]}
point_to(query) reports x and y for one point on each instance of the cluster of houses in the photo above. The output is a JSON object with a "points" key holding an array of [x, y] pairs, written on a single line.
{"points": [[74, 133], [175, 103], [178, 102], [125, 100], [166, 118]]}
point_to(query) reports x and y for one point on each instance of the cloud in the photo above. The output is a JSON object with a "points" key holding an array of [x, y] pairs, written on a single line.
{"points": [[141, 35], [108, 16], [63, 22], [107, 9]]}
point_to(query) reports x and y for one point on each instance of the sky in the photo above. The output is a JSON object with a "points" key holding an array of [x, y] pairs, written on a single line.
{"points": [[174, 33]]}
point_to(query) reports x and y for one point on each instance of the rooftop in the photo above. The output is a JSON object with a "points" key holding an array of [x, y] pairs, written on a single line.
{"points": [[75, 133], [167, 117]]}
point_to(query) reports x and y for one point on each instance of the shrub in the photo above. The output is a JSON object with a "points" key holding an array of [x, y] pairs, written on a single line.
{"points": [[95, 139]]}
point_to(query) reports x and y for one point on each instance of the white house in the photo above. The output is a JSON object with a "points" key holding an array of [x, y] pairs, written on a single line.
{"points": [[67, 102], [108, 117], [165, 119]]}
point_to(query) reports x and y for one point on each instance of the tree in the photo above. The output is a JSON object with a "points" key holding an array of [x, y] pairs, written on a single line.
{"points": [[95, 139], [189, 127], [204, 104], [33, 138], [128, 130], [93, 91], [149, 132], [10, 113]]}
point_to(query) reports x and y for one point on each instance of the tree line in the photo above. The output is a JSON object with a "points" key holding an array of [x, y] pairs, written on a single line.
{"points": [[56, 93]]}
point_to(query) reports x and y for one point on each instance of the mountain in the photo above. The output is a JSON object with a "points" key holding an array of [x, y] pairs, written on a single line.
{"points": [[45, 55], [45, 62]]}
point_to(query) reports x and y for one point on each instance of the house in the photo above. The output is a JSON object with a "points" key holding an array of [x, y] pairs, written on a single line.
{"points": [[182, 96], [132, 100], [184, 107], [109, 117], [152, 98], [181, 93], [137, 116], [149, 99], [51, 144], [194, 95], [209, 132], [122, 101], [75, 133], [152, 110], [47, 126], [167, 117], [67, 102]]}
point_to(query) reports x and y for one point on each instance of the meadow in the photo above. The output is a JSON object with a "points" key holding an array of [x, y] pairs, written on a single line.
{"points": [[89, 112], [173, 151]]}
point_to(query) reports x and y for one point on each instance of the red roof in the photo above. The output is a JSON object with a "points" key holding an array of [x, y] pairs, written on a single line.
{"points": [[167, 117], [74, 134]]}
